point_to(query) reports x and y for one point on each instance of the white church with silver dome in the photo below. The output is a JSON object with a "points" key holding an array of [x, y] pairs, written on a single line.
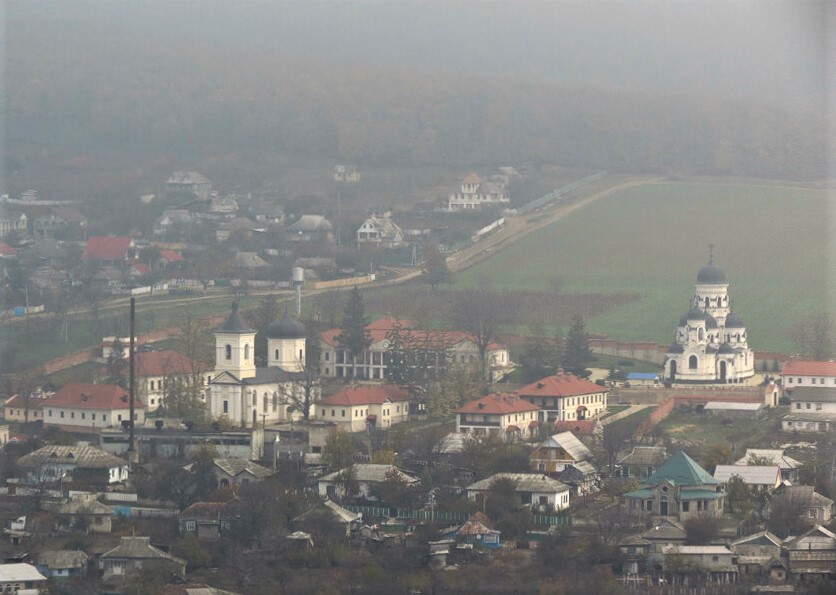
{"points": [[247, 395], [711, 345]]}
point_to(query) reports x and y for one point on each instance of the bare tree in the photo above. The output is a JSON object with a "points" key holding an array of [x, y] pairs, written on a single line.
{"points": [[478, 311], [814, 336]]}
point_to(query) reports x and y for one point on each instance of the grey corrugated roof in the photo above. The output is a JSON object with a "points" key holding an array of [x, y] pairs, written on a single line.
{"points": [[371, 473], [311, 223], [140, 548], [571, 444], [88, 457], [18, 573], [58, 559], [751, 475], [342, 514], [525, 482], [85, 505], [773, 456], [644, 455], [235, 467]]}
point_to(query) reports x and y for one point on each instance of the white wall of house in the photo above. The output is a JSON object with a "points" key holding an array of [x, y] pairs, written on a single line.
{"points": [[91, 418]]}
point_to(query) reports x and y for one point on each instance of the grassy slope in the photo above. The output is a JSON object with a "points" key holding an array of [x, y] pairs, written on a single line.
{"points": [[770, 240]]}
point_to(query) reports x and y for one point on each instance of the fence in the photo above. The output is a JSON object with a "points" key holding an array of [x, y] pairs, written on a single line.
{"points": [[559, 193], [451, 517]]}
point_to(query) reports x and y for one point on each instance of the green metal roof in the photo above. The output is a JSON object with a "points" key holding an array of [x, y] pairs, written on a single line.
{"points": [[681, 470], [699, 495], [645, 493]]}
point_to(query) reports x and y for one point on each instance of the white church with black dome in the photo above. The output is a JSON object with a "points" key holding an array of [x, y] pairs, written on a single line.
{"points": [[711, 345], [247, 395]]}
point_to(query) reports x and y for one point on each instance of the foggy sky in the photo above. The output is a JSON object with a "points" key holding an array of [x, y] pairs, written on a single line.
{"points": [[773, 51]]}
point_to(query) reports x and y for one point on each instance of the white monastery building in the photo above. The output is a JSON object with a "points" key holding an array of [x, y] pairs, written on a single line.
{"points": [[711, 346], [248, 395]]}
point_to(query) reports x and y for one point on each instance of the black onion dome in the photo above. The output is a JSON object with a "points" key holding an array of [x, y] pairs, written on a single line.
{"points": [[710, 321], [733, 320], [676, 348], [726, 348], [696, 314], [235, 323], [286, 328], [711, 273]]}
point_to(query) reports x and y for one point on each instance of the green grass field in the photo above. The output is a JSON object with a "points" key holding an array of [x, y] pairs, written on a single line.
{"points": [[770, 240]]}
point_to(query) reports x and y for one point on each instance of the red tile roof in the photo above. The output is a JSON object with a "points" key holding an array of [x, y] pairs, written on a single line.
{"points": [[561, 385], [17, 401], [171, 255], [366, 394], [498, 404], [79, 395], [580, 427], [381, 328], [166, 362], [6, 250], [107, 248], [808, 368]]}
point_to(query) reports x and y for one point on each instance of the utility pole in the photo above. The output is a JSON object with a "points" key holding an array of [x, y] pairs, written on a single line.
{"points": [[132, 455]]}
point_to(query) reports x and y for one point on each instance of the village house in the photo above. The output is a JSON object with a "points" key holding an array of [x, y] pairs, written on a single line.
{"points": [[812, 409], [62, 563], [475, 193], [79, 407], [663, 534], [565, 397], [15, 578], [188, 182], [356, 407], [713, 562], [182, 441], [762, 456], [380, 231], [132, 553], [85, 464], [109, 250], [168, 372], [237, 472], [432, 351], [761, 478], [365, 476], [810, 504], [756, 555], [557, 451], [332, 511], [680, 488], [500, 414], [539, 491], [58, 219], [209, 520], [812, 555], [640, 461], [346, 173], [12, 223], [173, 221], [84, 512], [310, 229], [478, 531]]}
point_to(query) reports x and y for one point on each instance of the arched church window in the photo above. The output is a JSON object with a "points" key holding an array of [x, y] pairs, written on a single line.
{"points": [[301, 355], [277, 354], [275, 402], [255, 399], [264, 403], [229, 351], [707, 302], [247, 351], [738, 337], [692, 362]]}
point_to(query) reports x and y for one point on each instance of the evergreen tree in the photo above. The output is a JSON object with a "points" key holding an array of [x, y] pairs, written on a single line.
{"points": [[353, 337], [435, 266], [539, 358], [116, 364], [398, 369], [577, 355]]}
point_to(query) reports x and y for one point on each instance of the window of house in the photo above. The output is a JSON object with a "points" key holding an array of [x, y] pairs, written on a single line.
{"points": [[50, 413], [190, 525], [715, 558], [649, 505], [104, 417], [83, 416], [818, 406], [808, 405], [812, 381], [119, 417], [686, 507], [343, 412], [798, 405]]}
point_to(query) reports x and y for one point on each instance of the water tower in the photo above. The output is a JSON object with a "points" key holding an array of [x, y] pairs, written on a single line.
{"points": [[297, 279]]}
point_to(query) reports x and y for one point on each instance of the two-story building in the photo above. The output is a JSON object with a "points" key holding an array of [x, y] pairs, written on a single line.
{"points": [[381, 231], [356, 407], [16, 578], [431, 350], [565, 397], [188, 182], [109, 250], [557, 451], [812, 555], [502, 414], [796, 373], [475, 193], [168, 372], [812, 409], [81, 407]]}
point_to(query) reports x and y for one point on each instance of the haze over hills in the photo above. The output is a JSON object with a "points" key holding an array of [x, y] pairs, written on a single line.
{"points": [[117, 93]]}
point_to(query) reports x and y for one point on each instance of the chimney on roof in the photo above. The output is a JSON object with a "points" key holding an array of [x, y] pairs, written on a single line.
{"points": [[559, 372], [540, 385], [84, 397]]}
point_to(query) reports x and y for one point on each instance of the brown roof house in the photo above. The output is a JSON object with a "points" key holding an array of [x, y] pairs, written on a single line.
{"points": [[501, 414], [209, 520], [478, 531], [134, 552], [566, 397]]}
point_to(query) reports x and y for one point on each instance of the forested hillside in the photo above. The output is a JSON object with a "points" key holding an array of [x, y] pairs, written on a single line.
{"points": [[79, 93]]}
